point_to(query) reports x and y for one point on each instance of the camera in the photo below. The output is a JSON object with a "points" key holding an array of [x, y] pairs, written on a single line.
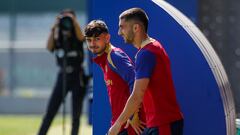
{"points": [[66, 23]]}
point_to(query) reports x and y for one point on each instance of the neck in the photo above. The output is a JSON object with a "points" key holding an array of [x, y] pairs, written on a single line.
{"points": [[108, 46], [139, 39]]}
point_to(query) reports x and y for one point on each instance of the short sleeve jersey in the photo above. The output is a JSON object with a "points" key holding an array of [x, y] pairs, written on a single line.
{"points": [[159, 100], [119, 76]]}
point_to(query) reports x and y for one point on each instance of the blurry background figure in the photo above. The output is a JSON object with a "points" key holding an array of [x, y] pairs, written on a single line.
{"points": [[66, 42], [29, 70]]}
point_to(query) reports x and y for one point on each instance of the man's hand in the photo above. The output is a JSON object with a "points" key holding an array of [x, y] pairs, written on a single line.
{"points": [[136, 124], [114, 130]]}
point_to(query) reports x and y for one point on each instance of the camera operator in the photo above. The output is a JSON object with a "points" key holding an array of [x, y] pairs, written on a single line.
{"points": [[66, 42]]}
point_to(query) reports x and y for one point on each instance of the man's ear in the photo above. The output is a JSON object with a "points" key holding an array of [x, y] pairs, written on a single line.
{"points": [[108, 36], [136, 27]]}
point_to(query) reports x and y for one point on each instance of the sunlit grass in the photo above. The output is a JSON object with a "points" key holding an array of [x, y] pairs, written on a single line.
{"points": [[29, 125]]}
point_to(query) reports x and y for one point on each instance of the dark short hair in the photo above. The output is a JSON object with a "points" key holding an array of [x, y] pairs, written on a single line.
{"points": [[136, 14], [95, 28]]}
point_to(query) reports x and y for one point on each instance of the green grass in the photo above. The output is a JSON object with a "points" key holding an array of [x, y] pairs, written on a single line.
{"points": [[13, 125], [25, 124]]}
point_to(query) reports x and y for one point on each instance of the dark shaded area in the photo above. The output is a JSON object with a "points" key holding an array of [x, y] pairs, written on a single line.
{"points": [[220, 22], [41, 5]]}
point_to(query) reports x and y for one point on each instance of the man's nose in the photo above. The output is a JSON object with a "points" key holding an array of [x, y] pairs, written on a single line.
{"points": [[92, 42]]}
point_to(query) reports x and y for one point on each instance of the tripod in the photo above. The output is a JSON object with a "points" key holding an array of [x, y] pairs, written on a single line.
{"points": [[65, 44]]}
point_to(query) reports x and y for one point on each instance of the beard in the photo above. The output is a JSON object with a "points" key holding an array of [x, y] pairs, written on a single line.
{"points": [[129, 37], [128, 40], [97, 50]]}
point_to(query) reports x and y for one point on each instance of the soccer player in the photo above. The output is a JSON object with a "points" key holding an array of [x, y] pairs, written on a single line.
{"points": [[154, 84], [118, 71]]}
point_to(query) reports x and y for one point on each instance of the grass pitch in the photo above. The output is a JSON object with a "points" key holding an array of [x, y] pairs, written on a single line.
{"points": [[29, 125]]}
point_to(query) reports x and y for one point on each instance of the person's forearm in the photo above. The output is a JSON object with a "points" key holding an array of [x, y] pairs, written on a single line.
{"points": [[131, 107], [134, 100], [78, 31], [50, 42]]}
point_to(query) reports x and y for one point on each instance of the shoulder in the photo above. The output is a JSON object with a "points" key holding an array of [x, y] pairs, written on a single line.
{"points": [[117, 53], [117, 57], [154, 48], [144, 52], [114, 56]]}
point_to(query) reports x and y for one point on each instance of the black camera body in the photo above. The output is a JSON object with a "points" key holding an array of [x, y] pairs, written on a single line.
{"points": [[63, 40], [66, 23], [65, 29], [67, 46]]}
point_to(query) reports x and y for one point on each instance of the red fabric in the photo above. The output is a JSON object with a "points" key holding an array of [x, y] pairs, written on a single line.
{"points": [[159, 101], [164, 130], [118, 90]]}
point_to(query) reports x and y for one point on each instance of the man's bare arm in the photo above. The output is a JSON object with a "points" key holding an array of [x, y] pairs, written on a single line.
{"points": [[131, 106], [50, 42], [78, 31]]}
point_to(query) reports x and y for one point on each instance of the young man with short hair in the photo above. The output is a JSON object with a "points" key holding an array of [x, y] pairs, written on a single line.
{"points": [[118, 71], [154, 84]]}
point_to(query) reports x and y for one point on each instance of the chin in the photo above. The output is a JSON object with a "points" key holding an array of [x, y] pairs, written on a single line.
{"points": [[94, 52], [128, 42], [125, 41]]}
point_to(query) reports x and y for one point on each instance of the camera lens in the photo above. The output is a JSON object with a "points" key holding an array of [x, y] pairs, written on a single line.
{"points": [[66, 23]]}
